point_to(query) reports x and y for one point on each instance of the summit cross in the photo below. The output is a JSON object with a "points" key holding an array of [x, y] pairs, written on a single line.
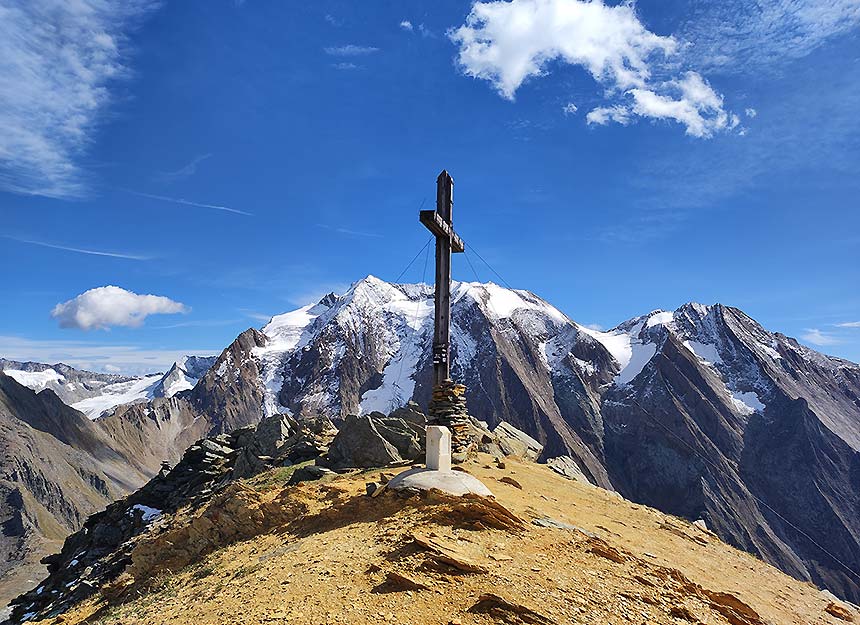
{"points": [[440, 222]]}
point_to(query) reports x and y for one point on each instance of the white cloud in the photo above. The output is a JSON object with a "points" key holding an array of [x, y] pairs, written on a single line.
{"points": [[128, 359], [107, 306], [693, 103], [406, 25], [817, 337], [570, 108], [350, 50], [508, 42], [849, 324], [602, 115], [751, 113], [58, 62]]}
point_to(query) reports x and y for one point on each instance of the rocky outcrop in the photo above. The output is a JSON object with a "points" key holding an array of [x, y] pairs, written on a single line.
{"points": [[375, 440], [207, 474]]}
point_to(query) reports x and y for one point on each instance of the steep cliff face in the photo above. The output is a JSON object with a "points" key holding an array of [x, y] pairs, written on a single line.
{"points": [[749, 431], [56, 469]]}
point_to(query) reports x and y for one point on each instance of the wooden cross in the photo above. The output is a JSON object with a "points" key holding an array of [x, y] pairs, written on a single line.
{"points": [[440, 223]]}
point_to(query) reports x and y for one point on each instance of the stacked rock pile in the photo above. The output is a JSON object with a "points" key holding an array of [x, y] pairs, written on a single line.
{"points": [[448, 408]]}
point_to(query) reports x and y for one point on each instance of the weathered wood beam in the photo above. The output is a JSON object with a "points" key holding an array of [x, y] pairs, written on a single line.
{"points": [[435, 224]]}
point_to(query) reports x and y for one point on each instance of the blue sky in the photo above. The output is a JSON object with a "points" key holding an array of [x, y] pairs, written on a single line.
{"points": [[239, 159]]}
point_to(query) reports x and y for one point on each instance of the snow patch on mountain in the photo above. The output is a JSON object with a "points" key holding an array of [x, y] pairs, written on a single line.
{"points": [[616, 343], [629, 351], [284, 334], [660, 318], [747, 403], [641, 355], [113, 395], [36, 380], [183, 375], [707, 353]]}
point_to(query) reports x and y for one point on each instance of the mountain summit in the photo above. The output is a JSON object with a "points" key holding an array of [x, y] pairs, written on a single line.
{"points": [[699, 412]]}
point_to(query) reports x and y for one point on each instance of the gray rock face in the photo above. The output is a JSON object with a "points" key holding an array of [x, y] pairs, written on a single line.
{"points": [[514, 442], [361, 443], [566, 466]]}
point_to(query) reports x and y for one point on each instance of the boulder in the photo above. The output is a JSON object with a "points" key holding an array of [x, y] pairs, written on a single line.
{"points": [[359, 444], [275, 432], [514, 442], [308, 474], [566, 466]]}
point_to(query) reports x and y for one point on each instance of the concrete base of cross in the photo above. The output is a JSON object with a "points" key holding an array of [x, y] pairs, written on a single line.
{"points": [[438, 473]]}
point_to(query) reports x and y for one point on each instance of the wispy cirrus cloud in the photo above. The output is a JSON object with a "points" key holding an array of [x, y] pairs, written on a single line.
{"points": [[184, 202], [352, 233], [508, 43], [345, 66], [58, 61], [817, 337], [350, 50], [185, 171], [762, 35], [848, 324], [78, 250]]}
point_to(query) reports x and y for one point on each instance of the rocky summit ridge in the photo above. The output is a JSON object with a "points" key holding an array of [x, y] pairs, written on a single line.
{"points": [[268, 548], [699, 412]]}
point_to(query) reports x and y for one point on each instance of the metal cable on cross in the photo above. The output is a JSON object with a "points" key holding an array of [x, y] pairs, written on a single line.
{"points": [[392, 405], [405, 269], [498, 275]]}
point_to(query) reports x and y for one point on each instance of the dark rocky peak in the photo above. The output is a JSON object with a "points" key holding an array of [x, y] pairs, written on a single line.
{"points": [[230, 393]]}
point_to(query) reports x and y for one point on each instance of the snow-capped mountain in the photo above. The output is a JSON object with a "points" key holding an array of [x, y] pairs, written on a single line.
{"points": [[97, 394], [183, 375], [699, 412], [71, 385]]}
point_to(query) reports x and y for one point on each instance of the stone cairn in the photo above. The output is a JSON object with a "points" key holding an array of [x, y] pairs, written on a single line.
{"points": [[448, 408]]}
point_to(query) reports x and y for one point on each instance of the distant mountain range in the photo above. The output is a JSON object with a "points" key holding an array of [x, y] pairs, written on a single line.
{"points": [[699, 412], [96, 394]]}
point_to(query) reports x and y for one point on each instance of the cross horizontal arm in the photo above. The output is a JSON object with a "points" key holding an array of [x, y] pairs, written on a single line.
{"points": [[435, 224]]}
